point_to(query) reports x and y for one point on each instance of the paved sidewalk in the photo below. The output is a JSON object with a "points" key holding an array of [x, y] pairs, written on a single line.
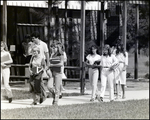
{"points": [[68, 100]]}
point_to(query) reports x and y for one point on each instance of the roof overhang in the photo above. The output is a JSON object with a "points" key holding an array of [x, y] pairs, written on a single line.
{"points": [[91, 5]]}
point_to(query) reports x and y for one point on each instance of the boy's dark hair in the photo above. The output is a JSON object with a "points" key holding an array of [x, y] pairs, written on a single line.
{"points": [[35, 34], [27, 36]]}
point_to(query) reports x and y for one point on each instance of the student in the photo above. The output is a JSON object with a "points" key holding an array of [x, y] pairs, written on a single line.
{"points": [[93, 72], [63, 74], [6, 60], [36, 67], [120, 72], [108, 63], [27, 46], [44, 52], [56, 64]]}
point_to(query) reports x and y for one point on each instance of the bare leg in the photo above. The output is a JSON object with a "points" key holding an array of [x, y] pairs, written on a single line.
{"points": [[123, 91]]}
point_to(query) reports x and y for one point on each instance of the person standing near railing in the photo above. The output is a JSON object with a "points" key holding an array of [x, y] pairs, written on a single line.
{"points": [[6, 60], [91, 60]]}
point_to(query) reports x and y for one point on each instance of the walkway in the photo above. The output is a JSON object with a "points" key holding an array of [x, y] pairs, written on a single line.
{"points": [[68, 100]]}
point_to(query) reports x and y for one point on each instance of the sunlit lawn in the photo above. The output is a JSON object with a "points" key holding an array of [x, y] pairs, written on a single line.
{"points": [[133, 109]]}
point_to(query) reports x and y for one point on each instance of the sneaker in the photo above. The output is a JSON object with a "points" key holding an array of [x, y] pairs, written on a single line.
{"points": [[92, 99], [60, 96], [54, 103], [100, 99], [9, 100], [34, 103], [41, 100], [96, 97], [123, 97]]}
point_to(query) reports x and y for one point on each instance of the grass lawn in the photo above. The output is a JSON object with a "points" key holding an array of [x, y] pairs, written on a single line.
{"points": [[133, 109]]}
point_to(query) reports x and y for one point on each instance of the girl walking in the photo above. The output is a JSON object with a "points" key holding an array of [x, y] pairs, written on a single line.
{"points": [[120, 72], [36, 67], [93, 72], [56, 66], [108, 63], [6, 60]]}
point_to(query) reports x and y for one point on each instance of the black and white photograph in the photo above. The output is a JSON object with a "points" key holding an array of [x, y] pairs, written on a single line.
{"points": [[75, 59]]}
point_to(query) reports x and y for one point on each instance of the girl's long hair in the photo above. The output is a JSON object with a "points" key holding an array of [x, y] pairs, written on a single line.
{"points": [[108, 48], [120, 50], [59, 47], [93, 47], [5, 45]]}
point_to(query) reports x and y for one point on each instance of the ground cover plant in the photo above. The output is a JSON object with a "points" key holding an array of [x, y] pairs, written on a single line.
{"points": [[132, 109]]}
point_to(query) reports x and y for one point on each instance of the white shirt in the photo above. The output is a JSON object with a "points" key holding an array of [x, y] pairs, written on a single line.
{"points": [[122, 58], [108, 61], [93, 58], [43, 48]]}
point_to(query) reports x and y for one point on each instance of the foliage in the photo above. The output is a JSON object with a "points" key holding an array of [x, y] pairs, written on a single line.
{"points": [[143, 26], [147, 76]]}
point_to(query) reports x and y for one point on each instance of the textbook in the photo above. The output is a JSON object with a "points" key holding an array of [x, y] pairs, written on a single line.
{"points": [[5, 58], [36, 70]]}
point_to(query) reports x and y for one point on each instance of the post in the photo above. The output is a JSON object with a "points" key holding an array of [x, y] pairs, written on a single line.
{"points": [[4, 28], [98, 24], [49, 18], [102, 27], [82, 43], [136, 43], [65, 28], [124, 28]]}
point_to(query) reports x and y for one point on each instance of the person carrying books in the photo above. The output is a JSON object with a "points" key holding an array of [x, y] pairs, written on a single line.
{"points": [[6, 60], [44, 52], [91, 60], [108, 63], [36, 67], [56, 66]]}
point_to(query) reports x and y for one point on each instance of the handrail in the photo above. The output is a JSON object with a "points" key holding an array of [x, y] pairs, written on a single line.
{"points": [[27, 65]]}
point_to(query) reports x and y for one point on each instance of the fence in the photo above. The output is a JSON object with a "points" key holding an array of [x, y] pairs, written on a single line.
{"points": [[81, 78]]}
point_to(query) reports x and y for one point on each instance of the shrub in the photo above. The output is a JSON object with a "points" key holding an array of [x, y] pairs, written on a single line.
{"points": [[147, 76], [128, 75]]}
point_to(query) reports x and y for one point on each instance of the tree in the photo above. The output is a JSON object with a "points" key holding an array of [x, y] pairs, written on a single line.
{"points": [[143, 36]]}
